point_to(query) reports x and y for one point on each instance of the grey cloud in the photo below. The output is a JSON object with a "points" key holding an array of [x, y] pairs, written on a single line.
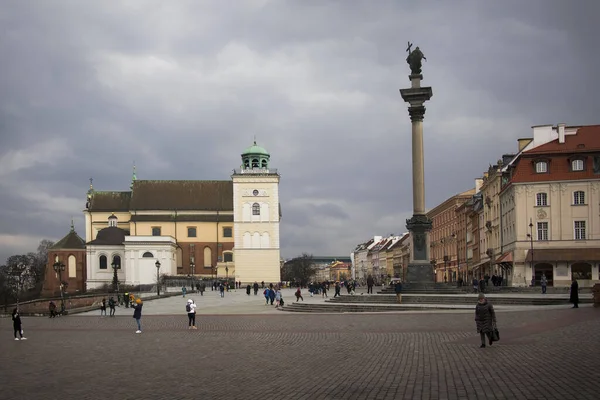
{"points": [[183, 89]]}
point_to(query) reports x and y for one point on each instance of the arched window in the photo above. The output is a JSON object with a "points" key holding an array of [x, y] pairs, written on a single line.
{"points": [[103, 262], [116, 261], [246, 163], [148, 255], [264, 164], [112, 221], [255, 209], [577, 165], [541, 199], [207, 257], [72, 263], [254, 163]]}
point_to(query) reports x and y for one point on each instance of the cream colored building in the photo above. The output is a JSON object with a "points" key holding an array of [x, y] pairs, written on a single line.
{"points": [[208, 229], [550, 207]]}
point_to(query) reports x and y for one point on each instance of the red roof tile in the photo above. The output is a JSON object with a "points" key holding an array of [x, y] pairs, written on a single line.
{"points": [[588, 136]]}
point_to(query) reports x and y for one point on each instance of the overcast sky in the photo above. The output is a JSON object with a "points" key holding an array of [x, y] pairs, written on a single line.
{"points": [[182, 87]]}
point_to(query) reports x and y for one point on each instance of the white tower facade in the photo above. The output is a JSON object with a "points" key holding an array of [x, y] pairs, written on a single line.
{"points": [[256, 216]]}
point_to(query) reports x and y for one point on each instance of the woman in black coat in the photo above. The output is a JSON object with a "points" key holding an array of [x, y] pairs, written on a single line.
{"points": [[485, 318], [17, 326], [574, 298]]}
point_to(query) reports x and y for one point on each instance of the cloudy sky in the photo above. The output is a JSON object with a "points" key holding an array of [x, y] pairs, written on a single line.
{"points": [[182, 87]]}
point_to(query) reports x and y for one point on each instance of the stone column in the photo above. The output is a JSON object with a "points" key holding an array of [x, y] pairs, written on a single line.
{"points": [[420, 269]]}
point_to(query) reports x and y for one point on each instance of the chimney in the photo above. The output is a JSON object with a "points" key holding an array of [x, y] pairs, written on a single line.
{"points": [[561, 133], [478, 184], [523, 143]]}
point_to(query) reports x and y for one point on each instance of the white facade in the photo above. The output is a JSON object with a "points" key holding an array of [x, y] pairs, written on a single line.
{"points": [[256, 225], [137, 256]]}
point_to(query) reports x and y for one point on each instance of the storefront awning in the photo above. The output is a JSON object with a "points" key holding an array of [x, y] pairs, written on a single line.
{"points": [[571, 255], [505, 258], [480, 264]]}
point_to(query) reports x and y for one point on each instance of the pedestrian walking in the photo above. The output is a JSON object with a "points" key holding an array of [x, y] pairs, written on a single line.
{"points": [[277, 297], [103, 307], [137, 314], [248, 289], [337, 289], [17, 325], [299, 294], [111, 305], [190, 308], [267, 295], [485, 319], [183, 291], [272, 294], [52, 309], [574, 298], [370, 283], [222, 290], [398, 291], [544, 283], [255, 287], [202, 288]]}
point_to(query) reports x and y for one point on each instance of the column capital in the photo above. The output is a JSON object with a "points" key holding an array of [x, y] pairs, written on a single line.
{"points": [[417, 113], [419, 223]]}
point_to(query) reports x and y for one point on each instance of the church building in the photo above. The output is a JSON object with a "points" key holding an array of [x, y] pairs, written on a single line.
{"points": [[211, 229]]}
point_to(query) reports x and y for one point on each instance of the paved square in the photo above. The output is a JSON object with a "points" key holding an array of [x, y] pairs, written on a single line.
{"points": [[549, 354]]}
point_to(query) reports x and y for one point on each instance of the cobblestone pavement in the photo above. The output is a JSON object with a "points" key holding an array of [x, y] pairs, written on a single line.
{"points": [[550, 354]]}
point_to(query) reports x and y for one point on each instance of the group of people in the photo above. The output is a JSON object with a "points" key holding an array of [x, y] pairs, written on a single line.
{"points": [[273, 294]]}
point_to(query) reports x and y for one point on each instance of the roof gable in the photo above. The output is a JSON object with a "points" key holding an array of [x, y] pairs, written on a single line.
{"points": [[71, 241], [588, 136]]}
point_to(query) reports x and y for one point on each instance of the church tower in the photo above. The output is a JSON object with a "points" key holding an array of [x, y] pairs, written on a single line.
{"points": [[256, 215]]}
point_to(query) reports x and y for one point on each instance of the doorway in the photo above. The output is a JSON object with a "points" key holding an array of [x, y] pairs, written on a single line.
{"points": [[544, 269]]}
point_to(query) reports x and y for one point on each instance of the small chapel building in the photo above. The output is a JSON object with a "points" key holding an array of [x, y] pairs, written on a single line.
{"points": [[209, 229]]}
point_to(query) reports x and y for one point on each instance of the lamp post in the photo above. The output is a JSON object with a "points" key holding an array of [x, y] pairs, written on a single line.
{"points": [[530, 234], [433, 262], [455, 238], [227, 276], [115, 266], [445, 261], [157, 264], [193, 268], [59, 267]]}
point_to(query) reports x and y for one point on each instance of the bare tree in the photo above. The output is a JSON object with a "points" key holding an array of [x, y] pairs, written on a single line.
{"points": [[300, 269]]}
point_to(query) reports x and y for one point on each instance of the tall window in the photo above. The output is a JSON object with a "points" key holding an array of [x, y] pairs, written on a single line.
{"points": [[103, 262], [541, 167], [191, 232], [117, 261], [577, 165], [542, 231], [227, 232], [579, 197], [541, 199], [156, 231], [255, 209], [579, 230]]}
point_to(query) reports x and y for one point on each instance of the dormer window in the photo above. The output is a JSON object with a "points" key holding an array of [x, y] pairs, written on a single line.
{"points": [[577, 165], [541, 167], [113, 221]]}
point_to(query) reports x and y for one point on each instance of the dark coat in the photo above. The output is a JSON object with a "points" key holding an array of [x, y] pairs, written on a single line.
{"points": [[137, 312], [485, 317], [574, 298], [398, 287], [16, 318]]}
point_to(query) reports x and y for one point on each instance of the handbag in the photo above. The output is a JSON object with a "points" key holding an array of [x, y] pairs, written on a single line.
{"points": [[495, 334]]}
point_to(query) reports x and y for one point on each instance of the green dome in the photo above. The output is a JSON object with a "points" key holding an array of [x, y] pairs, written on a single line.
{"points": [[254, 149]]}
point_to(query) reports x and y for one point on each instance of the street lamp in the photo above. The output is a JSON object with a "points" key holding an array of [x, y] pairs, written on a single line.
{"points": [[443, 240], [193, 268], [530, 235], [433, 262], [59, 267], [115, 266], [157, 264], [227, 276]]}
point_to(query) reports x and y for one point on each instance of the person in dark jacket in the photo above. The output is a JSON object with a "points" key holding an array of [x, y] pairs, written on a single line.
{"points": [[111, 305], [17, 326], [574, 298], [370, 283], [255, 287], [485, 318], [137, 314], [398, 290], [248, 289]]}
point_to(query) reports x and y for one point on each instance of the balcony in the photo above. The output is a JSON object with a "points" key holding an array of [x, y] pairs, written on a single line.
{"points": [[255, 171]]}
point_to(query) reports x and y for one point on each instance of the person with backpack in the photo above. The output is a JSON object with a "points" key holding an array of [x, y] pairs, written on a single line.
{"points": [[17, 326], [190, 309], [111, 305]]}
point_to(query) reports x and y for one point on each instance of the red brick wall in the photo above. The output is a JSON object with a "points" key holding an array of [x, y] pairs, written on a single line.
{"points": [[77, 284], [198, 253]]}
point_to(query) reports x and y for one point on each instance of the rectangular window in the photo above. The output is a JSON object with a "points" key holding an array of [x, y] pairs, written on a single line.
{"points": [[542, 231], [191, 231], [227, 232], [579, 198], [579, 230], [228, 257], [156, 231], [577, 165], [541, 167], [541, 199]]}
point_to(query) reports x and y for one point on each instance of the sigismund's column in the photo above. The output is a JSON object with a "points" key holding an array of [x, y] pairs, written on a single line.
{"points": [[420, 269]]}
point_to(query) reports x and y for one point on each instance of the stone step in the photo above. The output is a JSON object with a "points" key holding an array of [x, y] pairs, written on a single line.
{"points": [[342, 308], [416, 299]]}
